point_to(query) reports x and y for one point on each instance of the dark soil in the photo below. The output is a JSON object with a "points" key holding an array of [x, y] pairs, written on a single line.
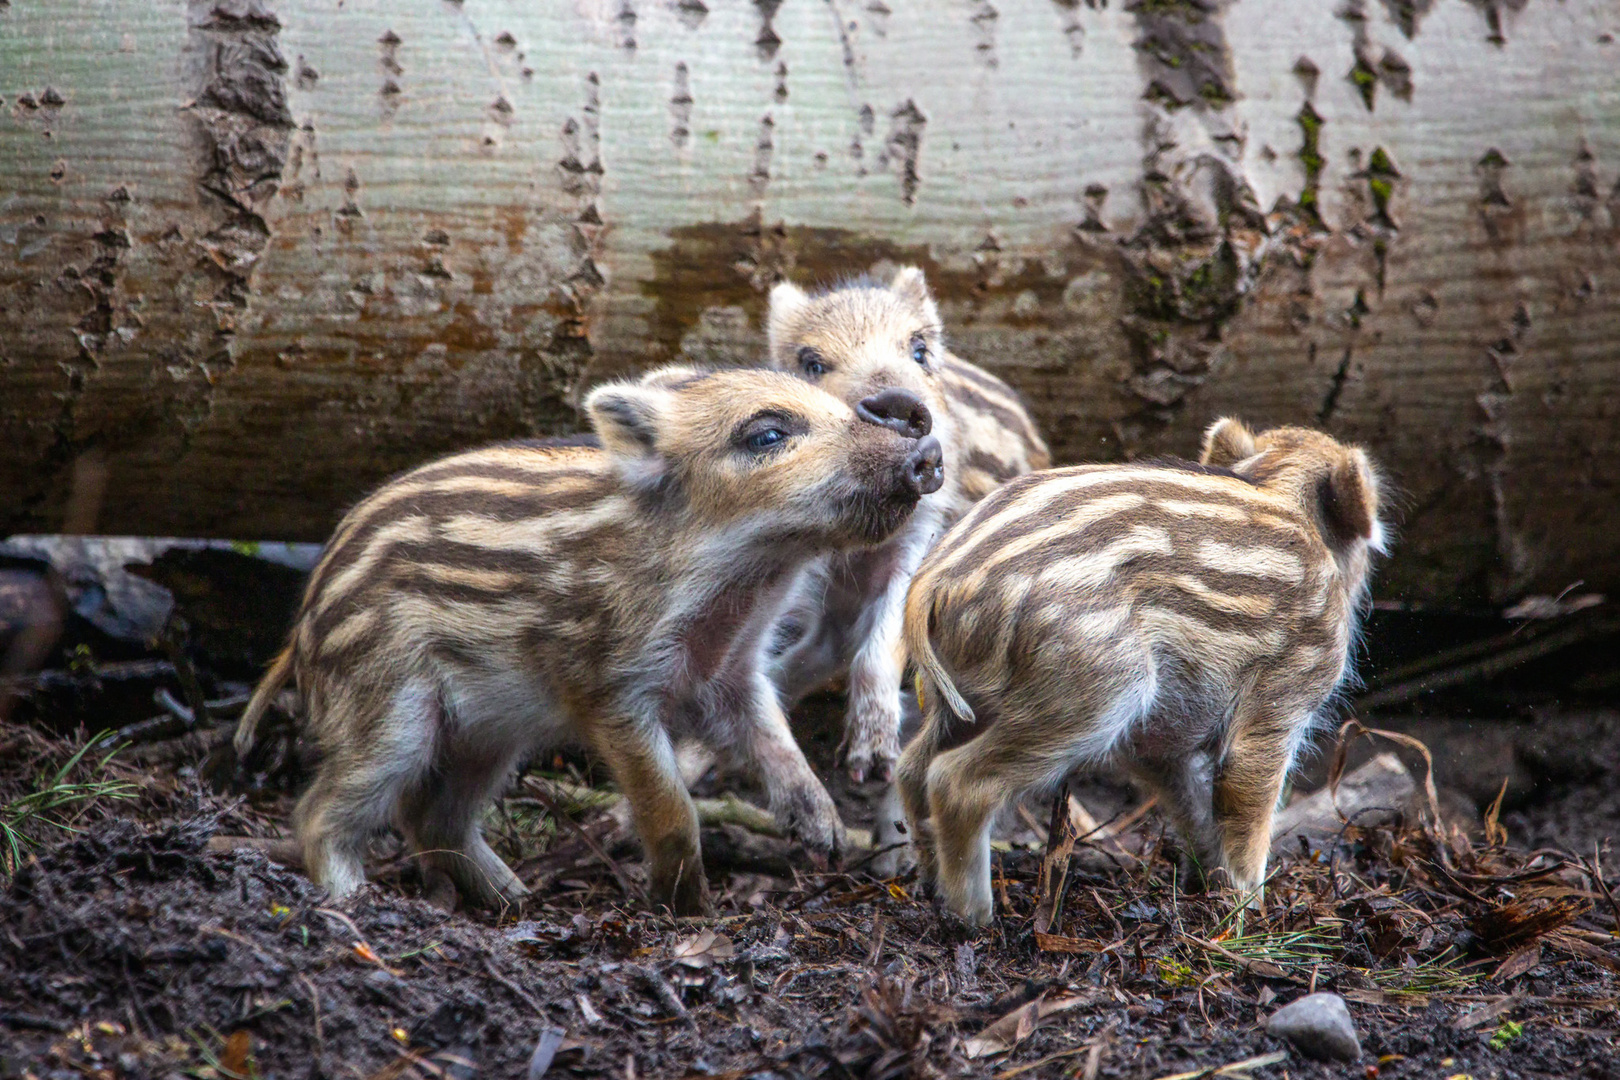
{"points": [[133, 949]]}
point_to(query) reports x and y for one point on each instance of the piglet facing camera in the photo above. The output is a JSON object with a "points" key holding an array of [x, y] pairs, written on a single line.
{"points": [[1185, 623], [879, 346], [486, 605]]}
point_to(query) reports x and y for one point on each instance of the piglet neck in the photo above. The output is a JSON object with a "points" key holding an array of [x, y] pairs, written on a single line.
{"points": [[732, 614]]}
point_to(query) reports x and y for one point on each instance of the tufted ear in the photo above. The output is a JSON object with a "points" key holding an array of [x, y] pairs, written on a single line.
{"points": [[910, 285], [1349, 497], [787, 301], [627, 418], [1226, 442], [672, 376]]}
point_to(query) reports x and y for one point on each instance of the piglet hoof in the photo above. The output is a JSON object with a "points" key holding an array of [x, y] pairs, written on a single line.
{"points": [[893, 863], [438, 889], [684, 891], [871, 753], [811, 818]]}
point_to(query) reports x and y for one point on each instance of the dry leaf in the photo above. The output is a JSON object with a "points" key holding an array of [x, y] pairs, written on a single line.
{"points": [[234, 1058], [1063, 944], [587, 1010], [703, 949], [1519, 963], [1484, 1014], [1236, 1069], [1016, 1026]]}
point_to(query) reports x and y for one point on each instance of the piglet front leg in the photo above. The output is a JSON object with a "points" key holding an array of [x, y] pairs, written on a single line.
{"points": [[642, 761], [798, 800], [871, 744]]}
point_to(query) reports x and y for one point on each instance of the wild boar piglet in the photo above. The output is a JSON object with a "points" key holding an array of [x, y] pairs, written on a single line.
{"points": [[612, 592], [859, 339], [1185, 623]]}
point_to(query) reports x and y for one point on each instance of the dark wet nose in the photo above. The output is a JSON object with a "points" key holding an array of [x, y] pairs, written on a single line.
{"points": [[898, 410], [924, 469]]}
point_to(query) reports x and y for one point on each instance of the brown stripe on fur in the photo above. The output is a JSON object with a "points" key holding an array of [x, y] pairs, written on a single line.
{"points": [[399, 567], [978, 376], [1184, 529], [1006, 413], [998, 469], [573, 453], [505, 508], [971, 380], [1183, 465]]}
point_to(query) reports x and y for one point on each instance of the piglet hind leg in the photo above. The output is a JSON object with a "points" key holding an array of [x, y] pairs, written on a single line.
{"points": [[911, 788], [440, 815], [362, 777], [1183, 785], [1259, 754], [963, 797], [334, 818], [642, 761]]}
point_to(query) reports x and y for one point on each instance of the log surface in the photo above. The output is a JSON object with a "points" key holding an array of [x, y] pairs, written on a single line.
{"points": [[256, 255]]}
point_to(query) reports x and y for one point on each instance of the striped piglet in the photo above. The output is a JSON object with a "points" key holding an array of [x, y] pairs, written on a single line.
{"points": [[1185, 623], [612, 593], [857, 340]]}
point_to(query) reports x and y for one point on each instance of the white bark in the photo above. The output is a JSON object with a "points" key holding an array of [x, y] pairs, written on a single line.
{"points": [[466, 211]]}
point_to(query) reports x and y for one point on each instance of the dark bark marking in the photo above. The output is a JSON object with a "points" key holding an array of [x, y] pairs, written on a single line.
{"points": [[680, 108], [904, 147], [1336, 387], [768, 41]]}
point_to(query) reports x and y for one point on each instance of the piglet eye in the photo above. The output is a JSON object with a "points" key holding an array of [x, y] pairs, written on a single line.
{"points": [[762, 439], [919, 350], [811, 362]]}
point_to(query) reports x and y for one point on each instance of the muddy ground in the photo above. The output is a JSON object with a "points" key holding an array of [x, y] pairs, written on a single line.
{"points": [[1481, 946]]}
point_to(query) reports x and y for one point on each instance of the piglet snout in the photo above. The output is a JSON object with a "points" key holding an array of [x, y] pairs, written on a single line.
{"points": [[924, 468], [898, 410]]}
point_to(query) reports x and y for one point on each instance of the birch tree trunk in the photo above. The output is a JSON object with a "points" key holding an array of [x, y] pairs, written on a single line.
{"points": [[255, 255]]}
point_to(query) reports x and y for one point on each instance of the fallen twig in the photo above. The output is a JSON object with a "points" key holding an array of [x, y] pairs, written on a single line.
{"points": [[630, 890], [1008, 1074], [1237, 1068], [1484, 1014], [665, 994]]}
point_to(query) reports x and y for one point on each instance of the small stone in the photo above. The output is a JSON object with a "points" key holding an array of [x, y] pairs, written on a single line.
{"points": [[1319, 1026]]}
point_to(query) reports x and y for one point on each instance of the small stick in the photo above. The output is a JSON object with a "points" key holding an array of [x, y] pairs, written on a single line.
{"points": [[878, 929], [1603, 886], [315, 1006], [516, 990], [666, 994], [795, 903], [1119, 928]]}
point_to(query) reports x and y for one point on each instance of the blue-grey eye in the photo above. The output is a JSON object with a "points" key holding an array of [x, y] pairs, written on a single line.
{"points": [[811, 362], [764, 439], [919, 350]]}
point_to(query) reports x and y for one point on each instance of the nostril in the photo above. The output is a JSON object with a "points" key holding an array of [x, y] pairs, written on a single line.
{"points": [[921, 420], [924, 471]]}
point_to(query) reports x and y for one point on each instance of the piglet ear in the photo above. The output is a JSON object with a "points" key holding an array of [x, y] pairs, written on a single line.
{"points": [[787, 301], [1227, 442], [1349, 496], [910, 285], [627, 418]]}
